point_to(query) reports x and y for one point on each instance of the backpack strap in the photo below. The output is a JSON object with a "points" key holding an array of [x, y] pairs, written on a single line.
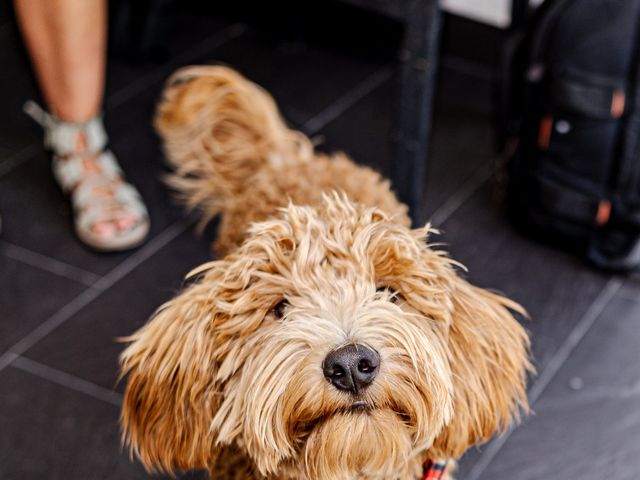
{"points": [[583, 208], [589, 96], [570, 203]]}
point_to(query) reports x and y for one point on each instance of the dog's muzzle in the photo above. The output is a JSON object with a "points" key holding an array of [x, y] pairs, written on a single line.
{"points": [[351, 368]]}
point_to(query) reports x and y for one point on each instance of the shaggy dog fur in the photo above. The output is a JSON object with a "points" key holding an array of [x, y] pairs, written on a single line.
{"points": [[316, 253]]}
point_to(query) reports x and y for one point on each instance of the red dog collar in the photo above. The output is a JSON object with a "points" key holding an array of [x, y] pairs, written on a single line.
{"points": [[434, 470]]}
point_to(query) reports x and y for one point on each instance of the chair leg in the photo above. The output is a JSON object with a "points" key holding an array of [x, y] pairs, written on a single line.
{"points": [[413, 124]]}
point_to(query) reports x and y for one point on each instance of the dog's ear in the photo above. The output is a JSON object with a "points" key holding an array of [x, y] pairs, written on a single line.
{"points": [[171, 394], [489, 356]]}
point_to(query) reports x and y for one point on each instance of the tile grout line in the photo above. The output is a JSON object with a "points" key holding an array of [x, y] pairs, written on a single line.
{"points": [[467, 67], [228, 33], [348, 100], [67, 380], [90, 294], [116, 99], [48, 264], [612, 287], [592, 396], [634, 297], [359, 92], [124, 268], [460, 196], [558, 359], [15, 160], [231, 32]]}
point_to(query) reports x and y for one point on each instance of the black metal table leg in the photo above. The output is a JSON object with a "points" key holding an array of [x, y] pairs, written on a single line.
{"points": [[413, 125]]}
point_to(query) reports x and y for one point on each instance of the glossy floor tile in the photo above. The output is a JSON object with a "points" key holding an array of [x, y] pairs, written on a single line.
{"points": [[587, 423], [57, 433], [29, 296], [86, 344]]}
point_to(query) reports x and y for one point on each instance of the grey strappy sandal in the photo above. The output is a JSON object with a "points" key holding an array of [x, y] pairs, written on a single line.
{"points": [[98, 196]]}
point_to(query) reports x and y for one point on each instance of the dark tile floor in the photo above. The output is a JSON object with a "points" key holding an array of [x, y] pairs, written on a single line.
{"points": [[62, 306]]}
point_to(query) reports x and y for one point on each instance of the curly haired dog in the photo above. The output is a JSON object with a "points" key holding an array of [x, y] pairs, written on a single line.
{"points": [[329, 341]]}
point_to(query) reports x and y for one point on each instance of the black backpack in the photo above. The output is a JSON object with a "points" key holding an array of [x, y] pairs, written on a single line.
{"points": [[572, 103]]}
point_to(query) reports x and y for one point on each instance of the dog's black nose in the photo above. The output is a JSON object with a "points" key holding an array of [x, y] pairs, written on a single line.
{"points": [[351, 368]]}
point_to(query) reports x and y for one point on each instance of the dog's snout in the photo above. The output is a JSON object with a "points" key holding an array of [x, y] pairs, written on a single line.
{"points": [[351, 368]]}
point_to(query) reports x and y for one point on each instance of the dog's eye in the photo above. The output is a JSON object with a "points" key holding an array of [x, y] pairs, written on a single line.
{"points": [[280, 308], [394, 296]]}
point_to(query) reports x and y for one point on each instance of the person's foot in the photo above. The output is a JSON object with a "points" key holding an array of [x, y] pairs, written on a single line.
{"points": [[109, 214]]}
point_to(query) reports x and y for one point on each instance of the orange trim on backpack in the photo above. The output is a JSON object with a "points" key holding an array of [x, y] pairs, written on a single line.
{"points": [[604, 212], [617, 103], [544, 134]]}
